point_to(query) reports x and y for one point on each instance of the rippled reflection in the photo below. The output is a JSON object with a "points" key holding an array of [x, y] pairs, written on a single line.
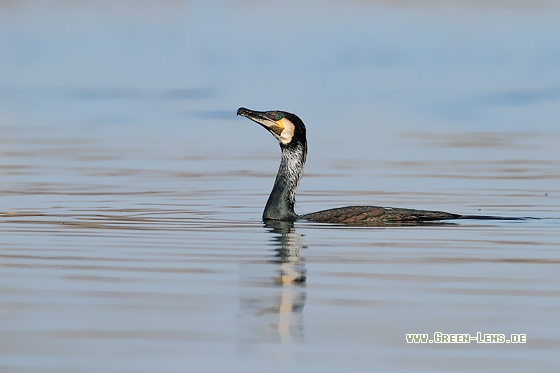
{"points": [[273, 294]]}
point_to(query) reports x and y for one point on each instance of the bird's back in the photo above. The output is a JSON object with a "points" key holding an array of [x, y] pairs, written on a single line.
{"points": [[371, 215]]}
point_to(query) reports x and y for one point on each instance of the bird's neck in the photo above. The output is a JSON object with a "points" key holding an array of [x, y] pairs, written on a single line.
{"points": [[280, 204]]}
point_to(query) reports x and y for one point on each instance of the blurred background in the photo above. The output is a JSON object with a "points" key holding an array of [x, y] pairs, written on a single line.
{"points": [[373, 80]]}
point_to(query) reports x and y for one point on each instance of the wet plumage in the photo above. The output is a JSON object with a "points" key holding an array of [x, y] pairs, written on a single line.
{"points": [[371, 215], [290, 132]]}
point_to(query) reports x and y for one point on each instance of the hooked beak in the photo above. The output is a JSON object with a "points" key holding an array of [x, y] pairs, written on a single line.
{"points": [[264, 118]]}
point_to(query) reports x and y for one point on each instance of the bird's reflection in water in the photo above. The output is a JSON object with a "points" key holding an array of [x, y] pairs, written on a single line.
{"points": [[272, 294]]}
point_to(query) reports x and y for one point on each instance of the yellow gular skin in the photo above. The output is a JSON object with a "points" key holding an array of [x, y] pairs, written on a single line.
{"points": [[284, 130], [278, 128]]}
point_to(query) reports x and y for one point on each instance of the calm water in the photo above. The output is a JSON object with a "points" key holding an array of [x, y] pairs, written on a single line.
{"points": [[131, 194]]}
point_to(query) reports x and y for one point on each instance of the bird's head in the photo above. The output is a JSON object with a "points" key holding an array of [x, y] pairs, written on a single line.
{"points": [[285, 127]]}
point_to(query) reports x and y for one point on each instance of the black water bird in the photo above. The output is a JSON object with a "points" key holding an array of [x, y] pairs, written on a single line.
{"points": [[289, 130]]}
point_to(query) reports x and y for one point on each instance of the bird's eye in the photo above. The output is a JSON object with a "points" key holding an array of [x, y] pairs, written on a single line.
{"points": [[279, 116]]}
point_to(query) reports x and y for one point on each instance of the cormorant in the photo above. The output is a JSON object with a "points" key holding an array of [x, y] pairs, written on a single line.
{"points": [[289, 130]]}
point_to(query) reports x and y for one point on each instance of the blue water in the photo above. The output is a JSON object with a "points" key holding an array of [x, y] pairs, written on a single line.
{"points": [[131, 194]]}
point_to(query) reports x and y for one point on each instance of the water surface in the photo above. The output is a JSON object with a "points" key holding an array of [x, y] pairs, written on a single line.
{"points": [[131, 195]]}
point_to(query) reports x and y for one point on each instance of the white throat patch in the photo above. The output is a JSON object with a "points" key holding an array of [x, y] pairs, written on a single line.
{"points": [[287, 133]]}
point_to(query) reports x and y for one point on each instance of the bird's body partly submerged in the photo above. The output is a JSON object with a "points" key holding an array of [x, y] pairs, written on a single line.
{"points": [[290, 132], [370, 215]]}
